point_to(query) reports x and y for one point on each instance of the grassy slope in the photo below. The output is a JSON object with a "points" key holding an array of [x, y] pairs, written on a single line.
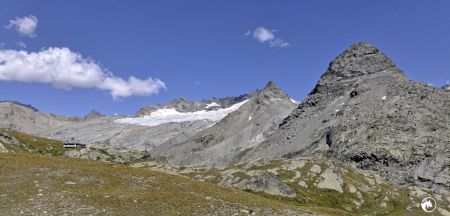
{"points": [[33, 144], [32, 183], [105, 188]]}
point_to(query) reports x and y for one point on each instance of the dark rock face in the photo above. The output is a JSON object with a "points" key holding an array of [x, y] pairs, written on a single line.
{"points": [[364, 111], [270, 184]]}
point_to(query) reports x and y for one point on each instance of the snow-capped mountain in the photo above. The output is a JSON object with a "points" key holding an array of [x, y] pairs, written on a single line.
{"points": [[184, 105], [213, 112]]}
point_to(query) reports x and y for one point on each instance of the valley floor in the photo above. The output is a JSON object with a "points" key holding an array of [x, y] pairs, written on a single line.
{"points": [[42, 185]]}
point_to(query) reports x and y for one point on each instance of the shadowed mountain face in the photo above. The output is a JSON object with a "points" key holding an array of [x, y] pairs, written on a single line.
{"points": [[364, 111]]}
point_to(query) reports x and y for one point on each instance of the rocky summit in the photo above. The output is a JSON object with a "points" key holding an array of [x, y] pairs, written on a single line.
{"points": [[364, 111]]}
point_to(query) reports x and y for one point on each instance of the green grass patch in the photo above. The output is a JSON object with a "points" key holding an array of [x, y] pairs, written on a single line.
{"points": [[34, 144], [111, 189]]}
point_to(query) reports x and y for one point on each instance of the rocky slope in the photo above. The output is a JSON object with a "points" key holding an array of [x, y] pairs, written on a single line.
{"points": [[94, 128], [21, 117], [315, 181], [119, 132], [226, 141], [364, 111]]}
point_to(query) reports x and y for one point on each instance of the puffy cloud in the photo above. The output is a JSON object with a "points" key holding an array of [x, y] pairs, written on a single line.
{"points": [[24, 25], [65, 69], [267, 36]]}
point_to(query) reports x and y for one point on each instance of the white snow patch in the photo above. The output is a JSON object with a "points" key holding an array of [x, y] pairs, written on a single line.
{"points": [[163, 116], [383, 98], [249, 118], [294, 101], [257, 140], [336, 110], [213, 104]]}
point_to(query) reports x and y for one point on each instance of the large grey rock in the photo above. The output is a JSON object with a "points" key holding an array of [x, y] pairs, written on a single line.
{"points": [[270, 184]]}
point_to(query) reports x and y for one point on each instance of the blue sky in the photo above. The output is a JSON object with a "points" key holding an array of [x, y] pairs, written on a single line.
{"points": [[204, 49]]}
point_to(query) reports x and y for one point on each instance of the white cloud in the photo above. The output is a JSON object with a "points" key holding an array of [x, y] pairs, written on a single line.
{"points": [[65, 69], [21, 44], [24, 25], [267, 36]]}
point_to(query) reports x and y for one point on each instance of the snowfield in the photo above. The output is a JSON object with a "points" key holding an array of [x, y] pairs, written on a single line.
{"points": [[213, 104], [163, 116]]}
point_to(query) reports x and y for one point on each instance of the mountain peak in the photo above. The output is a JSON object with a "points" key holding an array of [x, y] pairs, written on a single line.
{"points": [[93, 114], [363, 46], [271, 90], [360, 59], [180, 99], [272, 86], [21, 104]]}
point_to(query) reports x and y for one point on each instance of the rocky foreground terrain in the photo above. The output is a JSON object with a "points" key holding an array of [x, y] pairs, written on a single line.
{"points": [[36, 185], [365, 141]]}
